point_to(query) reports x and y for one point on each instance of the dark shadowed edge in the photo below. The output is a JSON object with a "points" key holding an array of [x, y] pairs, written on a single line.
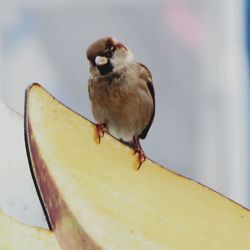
{"points": [[28, 151], [31, 164]]}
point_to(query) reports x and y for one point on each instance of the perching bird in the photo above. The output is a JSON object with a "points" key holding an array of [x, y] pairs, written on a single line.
{"points": [[121, 93]]}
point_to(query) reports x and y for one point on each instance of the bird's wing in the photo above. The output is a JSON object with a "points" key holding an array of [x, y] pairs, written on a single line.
{"points": [[89, 83], [148, 79]]}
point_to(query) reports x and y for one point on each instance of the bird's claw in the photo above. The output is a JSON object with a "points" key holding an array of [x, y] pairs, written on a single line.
{"points": [[141, 157], [100, 129]]}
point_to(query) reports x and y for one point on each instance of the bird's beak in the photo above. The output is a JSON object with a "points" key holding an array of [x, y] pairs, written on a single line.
{"points": [[101, 60]]}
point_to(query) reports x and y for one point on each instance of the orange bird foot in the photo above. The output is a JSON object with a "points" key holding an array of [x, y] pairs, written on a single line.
{"points": [[100, 129], [141, 157]]}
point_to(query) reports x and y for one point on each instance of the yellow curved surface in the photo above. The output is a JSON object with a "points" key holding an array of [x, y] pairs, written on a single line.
{"points": [[16, 236], [117, 206]]}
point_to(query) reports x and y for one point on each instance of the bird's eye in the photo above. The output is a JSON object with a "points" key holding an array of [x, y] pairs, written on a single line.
{"points": [[110, 51]]}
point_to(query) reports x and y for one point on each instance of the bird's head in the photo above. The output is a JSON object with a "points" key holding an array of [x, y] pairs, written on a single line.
{"points": [[107, 56]]}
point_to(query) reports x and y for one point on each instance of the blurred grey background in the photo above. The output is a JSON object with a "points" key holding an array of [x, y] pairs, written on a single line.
{"points": [[195, 50]]}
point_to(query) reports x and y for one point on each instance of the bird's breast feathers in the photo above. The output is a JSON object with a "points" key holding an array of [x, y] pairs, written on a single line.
{"points": [[124, 104]]}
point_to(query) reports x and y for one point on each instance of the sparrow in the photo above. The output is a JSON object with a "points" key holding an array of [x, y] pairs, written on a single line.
{"points": [[121, 93]]}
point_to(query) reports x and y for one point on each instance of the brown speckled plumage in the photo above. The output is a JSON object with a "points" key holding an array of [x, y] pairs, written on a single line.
{"points": [[125, 108]]}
